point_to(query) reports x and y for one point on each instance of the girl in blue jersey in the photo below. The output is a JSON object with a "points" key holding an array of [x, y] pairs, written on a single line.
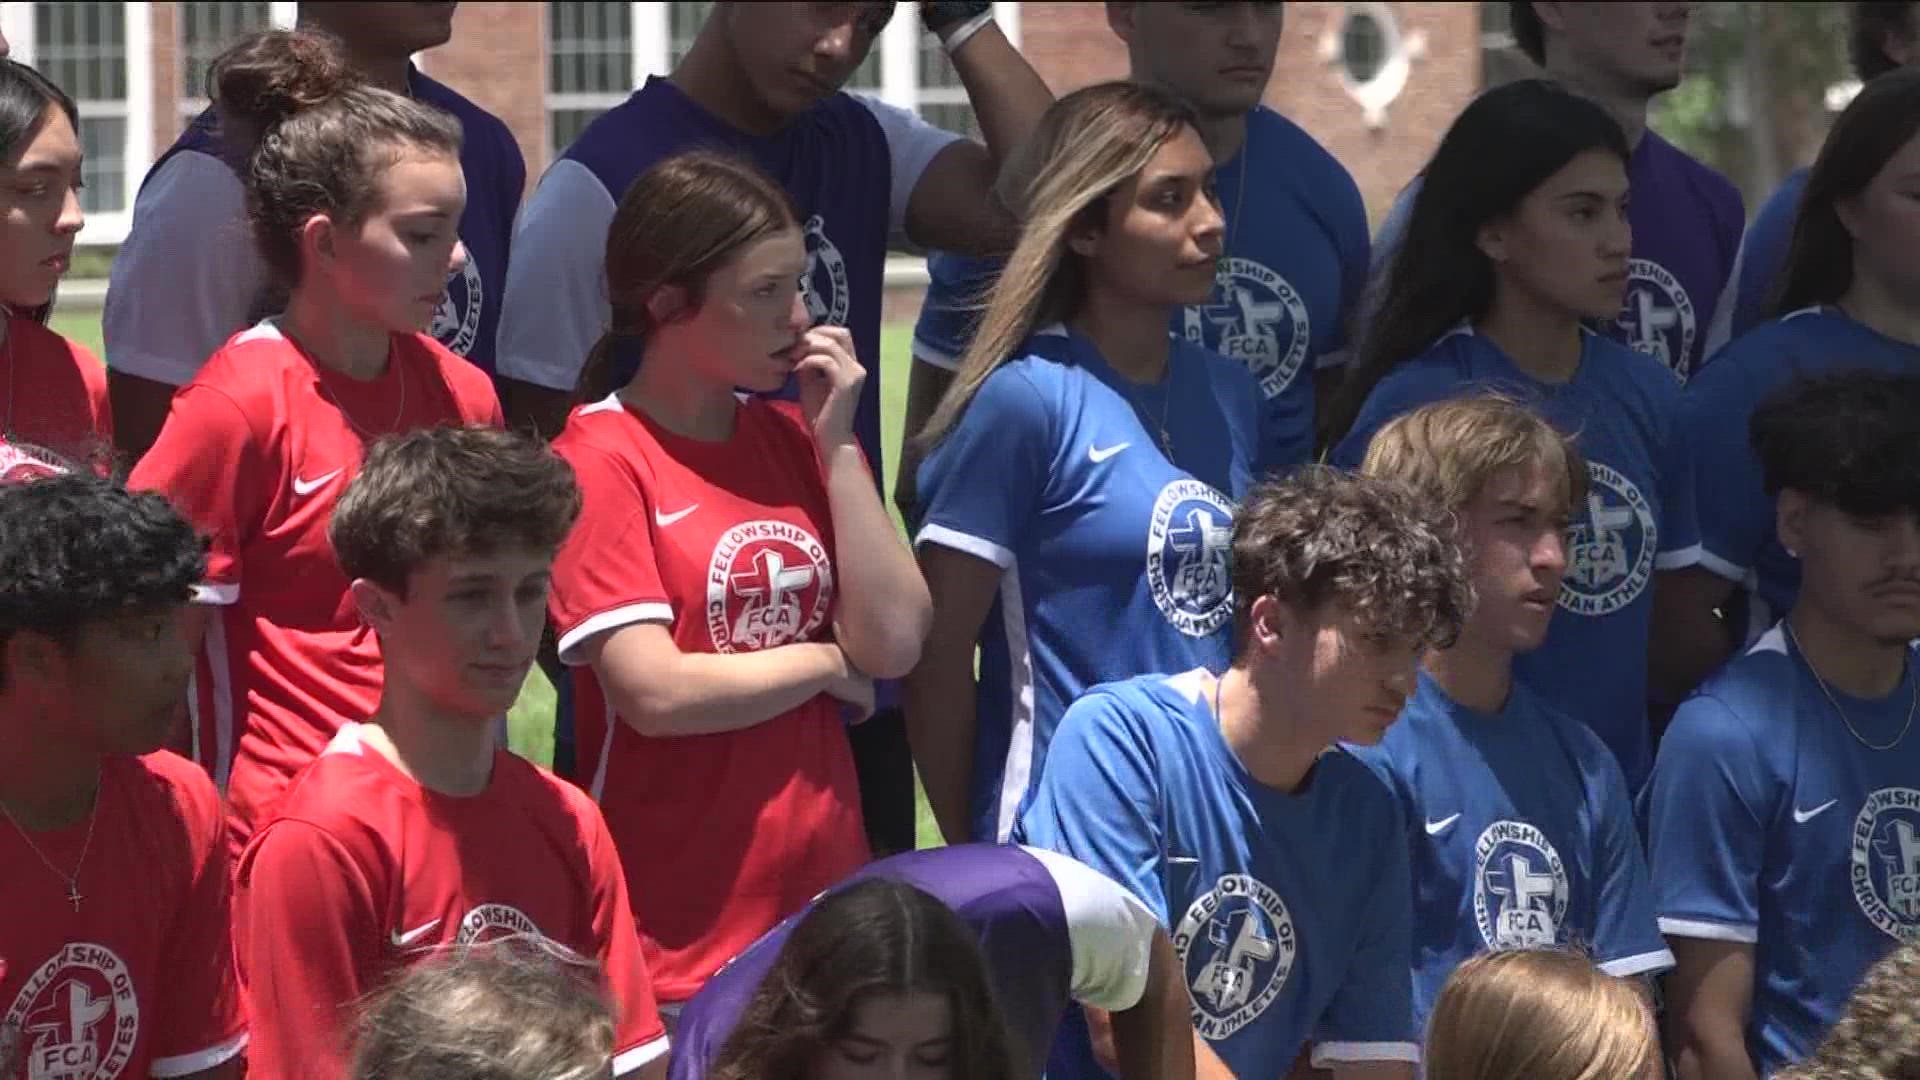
{"points": [[1849, 298], [1517, 241], [1075, 501]]}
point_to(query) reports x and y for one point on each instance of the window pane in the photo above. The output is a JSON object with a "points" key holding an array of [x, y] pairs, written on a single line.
{"points": [[684, 19], [590, 47], [1363, 46], [206, 29], [82, 47], [566, 125], [958, 118], [103, 141], [937, 74]]}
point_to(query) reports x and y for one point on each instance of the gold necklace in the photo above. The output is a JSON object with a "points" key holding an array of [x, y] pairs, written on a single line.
{"points": [[73, 880]]}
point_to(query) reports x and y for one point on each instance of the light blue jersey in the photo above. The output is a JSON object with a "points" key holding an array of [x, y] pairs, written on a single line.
{"points": [[1768, 823], [1521, 835], [1115, 559], [1289, 911], [1620, 406], [1295, 263]]}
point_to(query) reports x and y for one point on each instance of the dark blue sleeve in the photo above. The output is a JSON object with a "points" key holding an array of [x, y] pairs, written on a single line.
{"points": [[1732, 516], [1626, 933], [957, 287], [1370, 1017], [979, 489]]}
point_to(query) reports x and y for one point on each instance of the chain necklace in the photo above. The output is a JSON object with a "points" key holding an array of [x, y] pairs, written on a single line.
{"points": [[1831, 700], [399, 375], [93, 815]]}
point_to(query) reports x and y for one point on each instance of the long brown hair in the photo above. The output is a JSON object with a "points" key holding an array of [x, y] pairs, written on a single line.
{"points": [[1539, 1014], [1087, 145], [874, 938], [675, 226]]}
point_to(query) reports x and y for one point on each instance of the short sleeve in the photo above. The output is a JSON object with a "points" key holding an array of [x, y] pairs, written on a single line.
{"points": [[187, 277], [203, 1025], [555, 306], [1386, 244], [1356, 267], [306, 932], [979, 489], [1098, 800], [1732, 516], [211, 464], [912, 144], [605, 576], [1370, 1017], [1109, 930], [1705, 808], [640, 1037], [956, 298], [1679, 528], [1626, 934]]}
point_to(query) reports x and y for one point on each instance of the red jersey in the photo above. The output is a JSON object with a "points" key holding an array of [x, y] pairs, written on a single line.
{"points": [[730, 545], [53, 394], [255, 452], [139, 981], [361, 870]]}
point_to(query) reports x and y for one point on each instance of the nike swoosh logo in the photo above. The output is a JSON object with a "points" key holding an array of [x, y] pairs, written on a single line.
{"points": [[664, 520], [401, 941], [1801, 817], [308, 487], [1098, 455], [1435, 828]]}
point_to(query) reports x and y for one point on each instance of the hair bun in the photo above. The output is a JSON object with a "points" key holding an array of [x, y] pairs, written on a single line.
{"points": [[269, 76]]}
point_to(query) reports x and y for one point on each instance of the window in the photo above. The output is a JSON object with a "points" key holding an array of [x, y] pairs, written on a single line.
{"points": [[1372, 56], [590, 65], [1363, 47], [206, 29], [938, 95]]}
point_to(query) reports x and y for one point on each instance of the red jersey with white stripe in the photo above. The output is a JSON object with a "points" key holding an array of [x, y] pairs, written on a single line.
{"points": [[729, 545], [255, 452], [362, 871], [139, 981], [53, 394]]}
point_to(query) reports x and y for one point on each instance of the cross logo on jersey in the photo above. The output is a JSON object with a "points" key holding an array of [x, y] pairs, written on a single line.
{"points": [[456, 322], [824, 283], [1885, 867], [1658, 317], [1519, 887], [1189, 540], [1610, 548], [1237, 945], [769, 584], [1257, 317], [77, 1017]]}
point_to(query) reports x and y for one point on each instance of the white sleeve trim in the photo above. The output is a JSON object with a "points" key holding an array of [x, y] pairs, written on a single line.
{"points": [[1698, 555], [975, 546], [216, 594], [1740, 933], [1720, 329], [932, 357], [1328, 1054], [608, 621], [912, 143], [199, 1061], [1109, 933], [631, 1060], [555, 303], [1332, 358], [1643, 964], [1679, 558]]}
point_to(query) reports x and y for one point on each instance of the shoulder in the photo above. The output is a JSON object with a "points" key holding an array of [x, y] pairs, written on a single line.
{"points": [[474, 120], [472, 388], [1783, 205], [1767, 354], [1745, 705], [1292, 147], [542, 793], [164, 780], [43, 340], [1365, 797], [1719, 191], [341, 792], [1143, 711], [602, 430], [252, 369], [1641, 375], [1219, 369], [1435, 372]]}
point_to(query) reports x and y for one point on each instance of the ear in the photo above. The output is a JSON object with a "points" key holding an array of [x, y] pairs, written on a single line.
{"points": [[1900, 46], [1790, 512], [378, 608], [1847, 209], [1492, 240], [31, 657], [1084, 242], [669, 304], [1271, 623], [1553, 16], [318, 240], [1120, 19]]}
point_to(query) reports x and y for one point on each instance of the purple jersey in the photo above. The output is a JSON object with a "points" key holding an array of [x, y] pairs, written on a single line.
{"points": [[1053, 932]]}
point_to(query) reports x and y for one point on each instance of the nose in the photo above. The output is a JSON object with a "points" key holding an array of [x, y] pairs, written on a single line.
{"points": [[1209, 226], [457, 258], [1903, 543], [836, 45], [798, 317], [1550, 554], [71, 215]]}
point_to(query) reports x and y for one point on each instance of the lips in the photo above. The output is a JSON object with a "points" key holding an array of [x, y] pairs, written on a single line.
{"points": [[57, 263]]}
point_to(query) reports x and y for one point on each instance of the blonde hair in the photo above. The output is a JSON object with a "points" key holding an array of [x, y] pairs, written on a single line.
{"points": [[1088, 144], [1448, 450], [1879, 1036], [1541, 1014]]}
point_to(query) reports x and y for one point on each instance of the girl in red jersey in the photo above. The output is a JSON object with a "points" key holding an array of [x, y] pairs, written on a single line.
{"points": [[734, 584], [354, 193], [53, 392]]}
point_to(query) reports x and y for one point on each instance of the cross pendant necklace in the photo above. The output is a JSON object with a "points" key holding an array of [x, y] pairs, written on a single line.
{"points": [[73, 880]]}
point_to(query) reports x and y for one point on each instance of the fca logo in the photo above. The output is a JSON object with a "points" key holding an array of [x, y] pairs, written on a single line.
{"points": [[1227, 979], [771, 591], [1202, 544], [59, 1043], [1902, 853]]}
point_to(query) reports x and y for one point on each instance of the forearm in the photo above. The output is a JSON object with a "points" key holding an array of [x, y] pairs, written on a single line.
{"points": [[1688, 641], [939, 700], [1155, 1038], [710, 693], [1007, 95], [1206, 1063], [884, 610], [1699, 1060]]}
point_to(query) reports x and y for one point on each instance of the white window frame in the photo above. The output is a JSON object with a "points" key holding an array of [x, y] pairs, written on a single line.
{"points": [[640, 14], [17, 22], [281, 15]]}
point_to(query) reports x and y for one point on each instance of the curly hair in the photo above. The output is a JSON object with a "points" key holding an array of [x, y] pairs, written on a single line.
{"points": [[450, 491], [1878, 1037], [1369, 545], [1539, 1014], [1844, 439], [871, 939], [76, 549], [519, 1008]]}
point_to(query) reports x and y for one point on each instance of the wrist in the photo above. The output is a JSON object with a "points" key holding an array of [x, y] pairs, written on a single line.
{"points": [[954, 22]]}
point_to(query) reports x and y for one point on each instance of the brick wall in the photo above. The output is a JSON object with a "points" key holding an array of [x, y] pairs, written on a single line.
{"points": [[497, 58], [166, 78]]}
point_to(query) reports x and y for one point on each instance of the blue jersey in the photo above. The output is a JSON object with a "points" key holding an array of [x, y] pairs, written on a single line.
{"points": [[1289, 912], [1521, 835], [1620, 404], [1769, 824], [1115, 558], [1295, 264], [1733, 515], [1052, 931], [1749, 294]]}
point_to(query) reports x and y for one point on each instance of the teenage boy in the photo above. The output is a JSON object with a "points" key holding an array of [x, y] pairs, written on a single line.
{"points": [[413, 830], [1276, 861]]}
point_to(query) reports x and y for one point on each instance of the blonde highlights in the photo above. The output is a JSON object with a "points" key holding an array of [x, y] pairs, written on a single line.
{"points": [[1449, 450], [1540, 1014]]}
